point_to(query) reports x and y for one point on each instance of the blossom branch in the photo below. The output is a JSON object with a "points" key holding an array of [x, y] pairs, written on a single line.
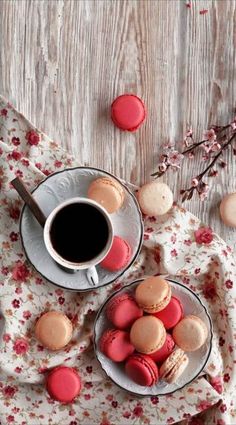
{"points": [[216, 139]]}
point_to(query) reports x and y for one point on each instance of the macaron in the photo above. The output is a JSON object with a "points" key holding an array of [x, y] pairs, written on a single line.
{"points": [[155, 198], [116, 345], [171, 314], [119, 255], [147, 334], [63, 384], [142, 370], [53, 330], [174, 366], [153, 294], [107, 192], [128, 112], [122, 311], [190, 333], [161, 355], [228, 210]]}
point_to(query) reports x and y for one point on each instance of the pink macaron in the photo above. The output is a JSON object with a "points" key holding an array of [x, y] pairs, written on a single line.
{"points": [[63, 384], [116, 345], [119, 255], [122, 311], [128, 112], [161, 355], [142, 370], [171, 314]]}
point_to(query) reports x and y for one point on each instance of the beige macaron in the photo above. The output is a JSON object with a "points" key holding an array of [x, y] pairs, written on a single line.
{"points": [[53, 330], [107, 192], [147, 334], [153, 294], [174, 366], [190, 333], [228, 210], [155, 198]]}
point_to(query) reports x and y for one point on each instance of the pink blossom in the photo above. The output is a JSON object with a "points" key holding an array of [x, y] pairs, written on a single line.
{"points": [[21, 346], [210, 135], [187, 242], [203, 11], [195, 182], [20, 272], [138, 411], [6, 337], [15, 141], [61, 300], [32, 137], [18, 369], [10, 419], [203, 235], [175, 158], [173, 253], [154, 399], [9, 391], [14, 236], [3, 112], [226, 377], [126, 415], [16, 155], [57, 164], [16, 303], [25, 162], [223, 407], [229, 284], [26, 314]]}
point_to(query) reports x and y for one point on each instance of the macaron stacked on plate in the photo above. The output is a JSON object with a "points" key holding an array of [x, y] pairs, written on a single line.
{"points": [[161, 345]]}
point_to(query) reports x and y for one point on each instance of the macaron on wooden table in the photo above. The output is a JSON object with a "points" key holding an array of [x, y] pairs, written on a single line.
{"points": [[153, 363]]}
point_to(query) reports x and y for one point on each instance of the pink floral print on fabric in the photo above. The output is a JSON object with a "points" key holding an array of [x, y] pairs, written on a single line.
{"points": [[176, 244]]}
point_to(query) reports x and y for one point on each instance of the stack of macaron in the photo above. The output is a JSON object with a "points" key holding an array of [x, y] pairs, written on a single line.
{"points": [[110, 194], [150, 333]]}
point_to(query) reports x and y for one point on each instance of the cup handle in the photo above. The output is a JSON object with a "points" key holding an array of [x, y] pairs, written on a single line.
{"points": [[92, 276]]}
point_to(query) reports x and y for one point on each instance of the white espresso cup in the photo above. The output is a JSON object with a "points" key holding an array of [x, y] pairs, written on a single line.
{"points": [[78, 234]]}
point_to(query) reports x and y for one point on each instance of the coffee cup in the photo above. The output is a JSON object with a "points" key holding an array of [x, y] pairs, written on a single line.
{"points": [[78, 234]]}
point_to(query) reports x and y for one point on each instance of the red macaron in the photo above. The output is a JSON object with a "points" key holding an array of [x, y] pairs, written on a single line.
{"points": [[161, 355], [142, 370], [119, 255], [171, 314], [63, 384], [128, 112], [122, 311], [116, 345]]}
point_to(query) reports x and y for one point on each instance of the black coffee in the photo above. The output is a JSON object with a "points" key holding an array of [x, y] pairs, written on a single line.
{"points": [[79, 232]]}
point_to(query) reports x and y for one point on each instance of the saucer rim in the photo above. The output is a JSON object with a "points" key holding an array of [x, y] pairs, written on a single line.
{"points": [[138, 247]]}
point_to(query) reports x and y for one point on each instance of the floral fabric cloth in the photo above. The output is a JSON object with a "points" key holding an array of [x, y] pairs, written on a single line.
{"points": [[177, 244]]}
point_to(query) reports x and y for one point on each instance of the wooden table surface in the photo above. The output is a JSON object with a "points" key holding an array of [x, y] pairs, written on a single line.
{"points": [[63, 62]]}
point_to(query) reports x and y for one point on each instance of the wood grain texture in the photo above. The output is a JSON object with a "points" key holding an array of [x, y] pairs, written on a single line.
{"points": [[63, 62]]}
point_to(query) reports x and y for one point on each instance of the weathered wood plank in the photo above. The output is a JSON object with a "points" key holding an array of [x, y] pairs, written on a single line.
{"points": [[62, 62]]}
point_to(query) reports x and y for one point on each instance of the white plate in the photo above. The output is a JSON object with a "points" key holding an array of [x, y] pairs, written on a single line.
{"points": [[197, 360], [66, 184]]}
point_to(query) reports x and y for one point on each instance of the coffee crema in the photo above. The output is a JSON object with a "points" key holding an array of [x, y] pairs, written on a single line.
{"points": [[79, 232]]}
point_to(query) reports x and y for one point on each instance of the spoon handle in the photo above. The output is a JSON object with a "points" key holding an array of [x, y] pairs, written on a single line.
{"points": [[29, 200]]}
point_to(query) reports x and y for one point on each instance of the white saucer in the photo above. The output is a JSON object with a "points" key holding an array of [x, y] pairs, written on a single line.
{"points": [[197, 359], [70, 183]]}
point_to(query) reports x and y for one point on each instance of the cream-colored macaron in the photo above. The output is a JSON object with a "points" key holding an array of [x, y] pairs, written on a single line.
{"points": [[228, 209], [153, 294], [174, 366], [190, 333], [155, 198], [107, 192], [54, 330]]}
